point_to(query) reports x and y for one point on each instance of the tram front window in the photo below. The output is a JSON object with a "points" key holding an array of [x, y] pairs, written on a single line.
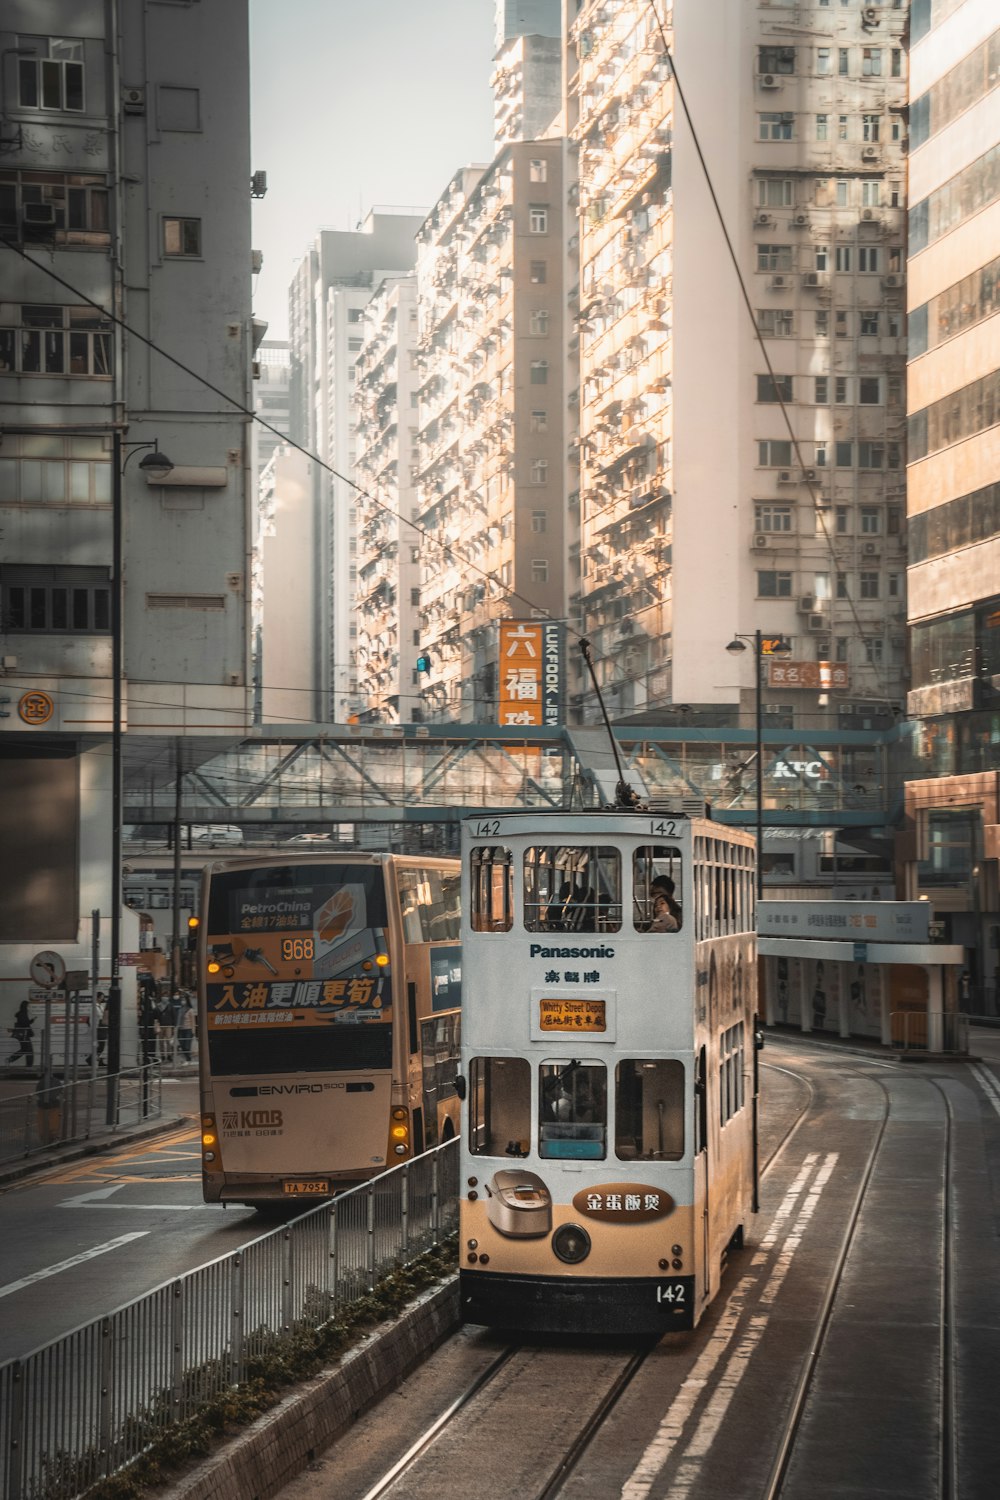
{"points": [[573, 1113], [499, 1106], [572, 888], [492, 883], [649, 1110], [657, 889]]}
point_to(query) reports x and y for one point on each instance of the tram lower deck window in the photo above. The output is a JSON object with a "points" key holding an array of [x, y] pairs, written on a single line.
{"points": [[649, 1110], [499, 1106], [573, 1110]]}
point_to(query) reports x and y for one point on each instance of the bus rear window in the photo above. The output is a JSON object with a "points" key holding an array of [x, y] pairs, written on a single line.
{"points": [[430, 903], [572, 888], [268, 1050]]}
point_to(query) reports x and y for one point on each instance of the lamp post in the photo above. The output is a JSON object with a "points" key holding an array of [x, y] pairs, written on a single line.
{"points": [[156, 466], [762, 646]]}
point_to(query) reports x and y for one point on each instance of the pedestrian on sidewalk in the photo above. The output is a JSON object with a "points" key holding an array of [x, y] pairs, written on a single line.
{"points": [[185, 1028], [102, 1029], [23, 1033], [166, 1020]]}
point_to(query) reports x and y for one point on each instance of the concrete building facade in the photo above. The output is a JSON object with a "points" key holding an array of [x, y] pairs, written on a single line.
{"points": [[125, 183]]}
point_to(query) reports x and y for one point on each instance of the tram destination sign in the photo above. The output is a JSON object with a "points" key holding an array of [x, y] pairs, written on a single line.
{"points": [[572, 1015]]}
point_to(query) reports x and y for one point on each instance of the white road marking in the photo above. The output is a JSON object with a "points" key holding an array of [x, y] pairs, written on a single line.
{"points": [[160, 1208], [654, 1459], [94, 1196], [987, 1083], [74, 1260]]}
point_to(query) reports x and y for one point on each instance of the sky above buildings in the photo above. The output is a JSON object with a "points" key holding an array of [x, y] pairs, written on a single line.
{"points": [[357, 105]]}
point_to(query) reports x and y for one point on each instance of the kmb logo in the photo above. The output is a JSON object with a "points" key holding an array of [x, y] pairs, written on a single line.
{"points": [[249, 1118]]}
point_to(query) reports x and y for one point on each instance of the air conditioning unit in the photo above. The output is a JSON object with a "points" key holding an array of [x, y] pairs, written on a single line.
{"points": [[768, 81], [785, 476], [779, 281], [870, 549], [869, 153], [762, 220], [889, 282], [817, 622], [809, 474], [801, 220], [806, 604], [39, 215], [812, 278], [867, 215], [869, 15], [134, 101], [760, 540]]}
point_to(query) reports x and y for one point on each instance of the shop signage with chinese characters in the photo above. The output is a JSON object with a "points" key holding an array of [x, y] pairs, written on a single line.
{"points": [[851, 921], [822, 675], [531, 672]]}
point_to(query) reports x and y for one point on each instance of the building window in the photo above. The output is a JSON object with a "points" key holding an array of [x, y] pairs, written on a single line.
{"points": [[37, 469], [843, 592], [540, 471], [539, 521], [538, 323], [841, 127], [871, 193], [871, 455], [53, 78], [774, 192], [871, 520], [538, 219], [868, 323], [770, 517], [776, 60], [39, 339], [868, 585], [55, 601], [895, 582], [774, 257], [871, 62], [774, 388], [869, 259], [874, 650], [772, 585], [774, 126], [821, 390], [840, 324], [822, 127], [824, 62], [776, 322], [869, 127], [841, 519], [896, 68], [870, 390], [821, 585], [842, 194], [774, 453], [842, 258], [68, 207], [538, 170], [539, 272], [821, 455], [841, 647], [822, 257], [843, 61], [182, 237], [539, 421], [840, 390], [843, 455], [539, 372], [539, 570], [822, 324]]}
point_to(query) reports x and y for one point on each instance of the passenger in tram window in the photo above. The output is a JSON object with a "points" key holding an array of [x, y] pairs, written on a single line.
{"points": [[666, 911], [579, 913]]}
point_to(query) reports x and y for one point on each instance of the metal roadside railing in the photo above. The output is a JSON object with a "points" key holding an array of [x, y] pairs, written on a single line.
{"points": [[916, 1031], [69, 1110], [91, 1402]]}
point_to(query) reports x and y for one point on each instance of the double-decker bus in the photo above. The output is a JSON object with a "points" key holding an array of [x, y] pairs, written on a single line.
{"points": [[609, 1068], [329, 992]]}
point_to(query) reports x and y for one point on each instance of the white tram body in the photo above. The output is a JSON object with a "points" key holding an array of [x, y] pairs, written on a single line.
{"points": [[608, 1068]]}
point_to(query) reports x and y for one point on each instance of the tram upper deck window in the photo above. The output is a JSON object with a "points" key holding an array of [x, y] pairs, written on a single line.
{"points": [[492, 880], [649, 1110], [657, 890], [572, 888], [499, 1106], [573, 1109]]}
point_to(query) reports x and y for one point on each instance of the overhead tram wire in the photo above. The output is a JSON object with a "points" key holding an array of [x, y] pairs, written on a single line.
{"points": [[814, 492]]}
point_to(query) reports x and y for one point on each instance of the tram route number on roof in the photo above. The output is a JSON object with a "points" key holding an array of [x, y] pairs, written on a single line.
{"points": [[572, 1015]]}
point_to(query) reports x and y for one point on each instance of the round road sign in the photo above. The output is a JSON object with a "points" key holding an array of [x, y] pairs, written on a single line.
{"points": [[48, 968]]}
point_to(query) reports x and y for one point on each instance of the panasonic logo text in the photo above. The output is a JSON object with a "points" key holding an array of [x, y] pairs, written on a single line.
{"points": [[537, 951]]}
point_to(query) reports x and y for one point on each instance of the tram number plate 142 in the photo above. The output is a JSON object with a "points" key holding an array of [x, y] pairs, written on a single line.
{"points": [[672, 1292]]}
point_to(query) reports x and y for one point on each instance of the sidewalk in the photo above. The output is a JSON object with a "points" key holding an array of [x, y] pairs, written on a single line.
{"points": [[178, 1092]]}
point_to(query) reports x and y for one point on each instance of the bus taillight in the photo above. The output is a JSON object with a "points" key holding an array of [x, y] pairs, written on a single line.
{"points": [[209, 1138], [399, 1132]]}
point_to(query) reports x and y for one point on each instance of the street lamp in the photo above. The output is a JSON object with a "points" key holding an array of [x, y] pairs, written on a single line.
{"points": [[763, 645], [155, 466]]}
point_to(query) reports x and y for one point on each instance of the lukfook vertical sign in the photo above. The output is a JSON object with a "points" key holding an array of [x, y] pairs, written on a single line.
{"points": [[532, 672]]}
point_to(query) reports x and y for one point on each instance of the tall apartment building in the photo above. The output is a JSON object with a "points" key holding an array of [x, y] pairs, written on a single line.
{"points": [[385, 394], [124, 188], [271, 398], [953, 490], [327, 298], [491, 444], [701, 514]]}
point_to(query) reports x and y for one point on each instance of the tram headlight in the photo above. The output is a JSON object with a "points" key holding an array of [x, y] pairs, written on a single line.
{"points": [[571, 1244]]}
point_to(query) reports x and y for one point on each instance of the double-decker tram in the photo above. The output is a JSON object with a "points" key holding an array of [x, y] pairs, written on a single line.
{"points": [[608, 1068], [329, 992]]}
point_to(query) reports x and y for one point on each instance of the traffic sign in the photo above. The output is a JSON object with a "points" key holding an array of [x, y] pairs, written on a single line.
{"points": [[48, 968]]}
